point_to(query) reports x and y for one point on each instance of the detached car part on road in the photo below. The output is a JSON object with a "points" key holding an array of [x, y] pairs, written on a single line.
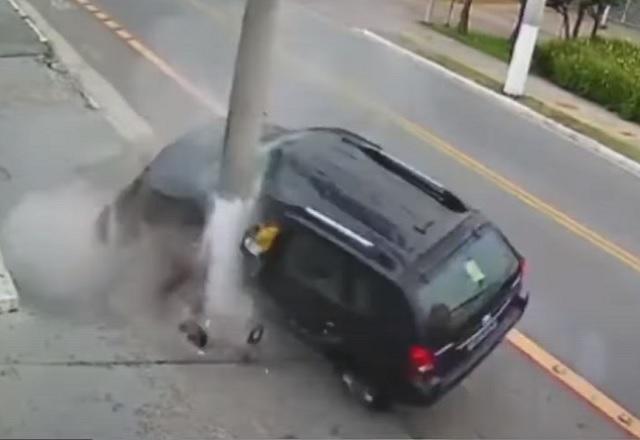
{"points": [[397, 281]]}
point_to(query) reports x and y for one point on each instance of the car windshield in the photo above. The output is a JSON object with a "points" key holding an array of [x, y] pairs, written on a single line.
{"points": [[468, 278]]}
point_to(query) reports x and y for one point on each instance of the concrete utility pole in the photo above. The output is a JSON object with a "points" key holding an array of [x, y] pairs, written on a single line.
{"points": [[523, 49], [623, 19], [428, 13], [605, 17], [248, 99]]}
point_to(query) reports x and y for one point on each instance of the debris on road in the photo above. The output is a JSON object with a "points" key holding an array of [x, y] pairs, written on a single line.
{"points": [[8, 292]]}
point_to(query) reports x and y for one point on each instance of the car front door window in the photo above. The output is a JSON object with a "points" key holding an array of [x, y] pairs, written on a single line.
{"points": [[315, 264]]}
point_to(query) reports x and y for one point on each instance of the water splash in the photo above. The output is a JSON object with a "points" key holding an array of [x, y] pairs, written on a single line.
{"points": [[228, 306]]}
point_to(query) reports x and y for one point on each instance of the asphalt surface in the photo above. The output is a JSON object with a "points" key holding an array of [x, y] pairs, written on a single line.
{"points": [[584, 300]]}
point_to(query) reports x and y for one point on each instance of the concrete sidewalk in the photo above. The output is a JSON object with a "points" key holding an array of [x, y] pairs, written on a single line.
{"points": [[59, 374], [399, 21], [39, 106], [16, 40]]}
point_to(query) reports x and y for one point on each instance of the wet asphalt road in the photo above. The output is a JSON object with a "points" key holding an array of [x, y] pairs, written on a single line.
{"points": [[584, 301]]}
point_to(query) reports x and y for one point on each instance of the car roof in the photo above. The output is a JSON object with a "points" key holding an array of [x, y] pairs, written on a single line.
{"points": [[188, 167], [362, 197]]}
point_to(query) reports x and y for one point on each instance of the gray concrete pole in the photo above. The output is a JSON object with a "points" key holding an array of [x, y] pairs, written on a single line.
{"points": [[523, 49], [248, 99], [428, 13], [623, 19], [605, 17]]}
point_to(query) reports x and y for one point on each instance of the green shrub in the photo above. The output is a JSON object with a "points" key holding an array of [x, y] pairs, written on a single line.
{"points": [[604, 71]]}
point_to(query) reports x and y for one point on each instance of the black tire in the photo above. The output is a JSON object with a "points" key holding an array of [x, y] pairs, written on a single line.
{"points": [[255, 335], [194, 333], [370, 396]]}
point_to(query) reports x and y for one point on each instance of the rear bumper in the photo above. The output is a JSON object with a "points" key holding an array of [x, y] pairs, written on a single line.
{"points": [[428, 392]]}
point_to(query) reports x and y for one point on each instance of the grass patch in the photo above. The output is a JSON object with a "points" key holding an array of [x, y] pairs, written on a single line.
{"points": [[616, 144], [498, 47]]}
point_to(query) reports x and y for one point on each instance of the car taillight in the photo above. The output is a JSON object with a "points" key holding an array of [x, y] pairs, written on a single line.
{"points": [[524, 272], [421, 360], [524, 268]]}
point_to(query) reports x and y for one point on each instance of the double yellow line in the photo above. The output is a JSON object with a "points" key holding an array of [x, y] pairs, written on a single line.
{"points": [[545, 360]]}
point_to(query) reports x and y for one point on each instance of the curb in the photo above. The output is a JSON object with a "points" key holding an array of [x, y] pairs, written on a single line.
{"points": [[8, 293], [580, 140], [27, 19]]}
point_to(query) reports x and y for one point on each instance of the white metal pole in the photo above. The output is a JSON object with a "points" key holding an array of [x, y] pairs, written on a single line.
{"points": [[248, 99], [523, 49], [605, 16], [428, 13], [623, 19]]}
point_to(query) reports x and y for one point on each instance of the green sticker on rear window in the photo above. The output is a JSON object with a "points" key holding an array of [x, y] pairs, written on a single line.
{"points": [[474, 271]]}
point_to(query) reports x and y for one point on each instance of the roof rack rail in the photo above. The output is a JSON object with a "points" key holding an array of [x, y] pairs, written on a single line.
{"points": [[348, 136], [338, 227], [422, 181]]}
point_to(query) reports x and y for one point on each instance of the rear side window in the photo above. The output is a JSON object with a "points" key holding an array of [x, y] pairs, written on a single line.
{"points": [[370, 294], [316, 264], [470, 277]]}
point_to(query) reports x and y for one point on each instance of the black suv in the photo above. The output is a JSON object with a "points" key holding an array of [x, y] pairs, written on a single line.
{"points": [[402, 285]]}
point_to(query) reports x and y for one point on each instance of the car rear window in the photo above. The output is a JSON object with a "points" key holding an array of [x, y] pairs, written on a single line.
{"points": [[469, 278]]}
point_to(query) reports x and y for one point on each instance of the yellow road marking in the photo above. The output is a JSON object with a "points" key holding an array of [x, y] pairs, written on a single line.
{"points": [[347, 90], [154, 59], [508, 186], [124, 34], [502, 182], [112, 24], [576, 383], [615, 412], [101, 16]]}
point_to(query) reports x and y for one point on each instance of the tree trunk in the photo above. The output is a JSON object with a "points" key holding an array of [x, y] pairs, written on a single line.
{"points": [[463, 24], [566, 23], [596, 20], [576, 28]]}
